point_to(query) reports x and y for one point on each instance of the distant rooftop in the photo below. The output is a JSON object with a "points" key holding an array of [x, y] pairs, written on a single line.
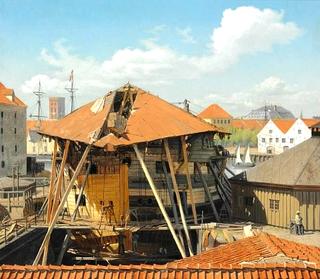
{"points": [[214, 111], [269, 112], [8, 97]]}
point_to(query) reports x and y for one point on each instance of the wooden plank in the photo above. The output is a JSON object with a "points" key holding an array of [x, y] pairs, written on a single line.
{"points": [[176, 190], [185, 158], [159, 201]]}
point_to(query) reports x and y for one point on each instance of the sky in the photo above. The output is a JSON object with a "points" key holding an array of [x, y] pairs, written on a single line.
{"points": [[239, 54]]}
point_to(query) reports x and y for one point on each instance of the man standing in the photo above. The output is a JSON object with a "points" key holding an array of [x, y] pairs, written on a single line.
{"points": [[298, 223]]}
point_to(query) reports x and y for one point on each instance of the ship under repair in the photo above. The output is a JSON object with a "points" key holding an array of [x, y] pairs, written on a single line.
{"points": [[129, 162]]}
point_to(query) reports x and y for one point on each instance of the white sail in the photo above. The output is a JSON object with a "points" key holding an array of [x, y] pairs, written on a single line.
{"points": [[238, 160], [247, 158]]}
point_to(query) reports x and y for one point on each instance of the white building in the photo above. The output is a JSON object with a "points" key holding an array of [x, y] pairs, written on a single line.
{"points": [[12, 132], [281, 134]]}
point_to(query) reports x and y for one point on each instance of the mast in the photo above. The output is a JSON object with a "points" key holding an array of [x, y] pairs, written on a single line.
{"points": [[38, 116], [71, 90]]}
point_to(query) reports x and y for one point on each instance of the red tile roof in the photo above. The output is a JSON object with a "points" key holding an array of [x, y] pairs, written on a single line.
{"points": [[284, 124], [6, 94], [172, 271], [256, 249], [151, 118], [214, 111], [32, 124], [250, 124], [311, 121]]}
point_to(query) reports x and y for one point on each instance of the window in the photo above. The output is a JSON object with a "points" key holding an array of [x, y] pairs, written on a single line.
{"points": [[270, 131], [283, 140], [1, 131], [248, 201], [1, 114], [15, 130], [2, 164], [15, 115], [34, 148], [291, 140], [299, 132], [270, 140], [274, 204], [263, 140], [2, 148], [225, 122], [15, 148], [277, 139]]}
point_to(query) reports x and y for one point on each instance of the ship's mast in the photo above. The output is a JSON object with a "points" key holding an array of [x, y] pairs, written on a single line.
{"points": [[71, 90], [38, 116]]}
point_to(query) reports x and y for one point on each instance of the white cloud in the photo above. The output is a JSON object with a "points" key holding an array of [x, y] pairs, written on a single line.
{"points": [[272, 90], [186, 35], [242, 31]]}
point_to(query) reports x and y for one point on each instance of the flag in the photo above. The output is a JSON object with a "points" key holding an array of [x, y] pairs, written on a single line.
{"points": [[71, 76]]}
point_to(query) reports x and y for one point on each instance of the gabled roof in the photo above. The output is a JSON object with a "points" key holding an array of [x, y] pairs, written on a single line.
{"points": [[214, 111], [8, 97], [311, 121], [284, 124], [151, 118], [251, 124], [169, 271], [264, 248], [297, 166]]}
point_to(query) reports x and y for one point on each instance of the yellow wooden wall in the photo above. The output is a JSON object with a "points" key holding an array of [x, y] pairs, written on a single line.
{"points": [[307, 202], [99, 191]]}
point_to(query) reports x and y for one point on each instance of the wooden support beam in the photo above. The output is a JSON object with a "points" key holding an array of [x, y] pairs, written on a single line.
{"points": [[171, 196], [176, 190], [73, 218], [206, 188], [59, 180], [185, 159], [159, 201], [61, 205], [52, 181]]}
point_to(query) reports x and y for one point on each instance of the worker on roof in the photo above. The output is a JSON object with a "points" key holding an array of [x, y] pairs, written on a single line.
{"points": [[298, 223]]}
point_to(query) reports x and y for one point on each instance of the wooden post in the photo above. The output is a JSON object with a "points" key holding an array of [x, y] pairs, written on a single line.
{"points": [[206, 188], [60, 178], [52, 180], [61, 205], [174, 208], [159, 201], [185, 158], [176, 190], [73, 218]]}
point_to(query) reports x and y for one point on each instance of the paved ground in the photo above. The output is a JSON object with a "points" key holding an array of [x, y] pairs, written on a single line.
{"points": [[311, 238]]}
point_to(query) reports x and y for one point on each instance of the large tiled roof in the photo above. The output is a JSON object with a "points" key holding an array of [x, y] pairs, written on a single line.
{"points": [[214, 111], [284, 124], [7, 97], [170, 271], [32, 124], [297, 167], [151, 118], [262, 248], [262, 256]]}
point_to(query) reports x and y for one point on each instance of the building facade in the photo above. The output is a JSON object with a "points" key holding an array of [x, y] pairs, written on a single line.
{"points": [[56, 107], [216, 115], [12, 132], [279, 135], [37, 144], [272, 192]]}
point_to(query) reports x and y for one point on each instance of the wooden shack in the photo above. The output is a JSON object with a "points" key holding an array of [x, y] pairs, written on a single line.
{"points": [[275, 190], [131, 159]]}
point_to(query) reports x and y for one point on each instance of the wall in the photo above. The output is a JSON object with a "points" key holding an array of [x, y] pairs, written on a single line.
{"points": [[264, 136], [13, 139], [307, 202]]}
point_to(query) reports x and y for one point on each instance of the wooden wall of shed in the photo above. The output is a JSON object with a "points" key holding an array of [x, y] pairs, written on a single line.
{"points": [[307, 202], [99, 191]]}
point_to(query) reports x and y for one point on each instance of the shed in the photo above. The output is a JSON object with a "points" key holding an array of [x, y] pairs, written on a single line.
{"points": [[273, 191]]}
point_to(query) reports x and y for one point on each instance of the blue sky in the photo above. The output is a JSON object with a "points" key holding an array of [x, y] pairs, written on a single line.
{"points": [[240, 54]]}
